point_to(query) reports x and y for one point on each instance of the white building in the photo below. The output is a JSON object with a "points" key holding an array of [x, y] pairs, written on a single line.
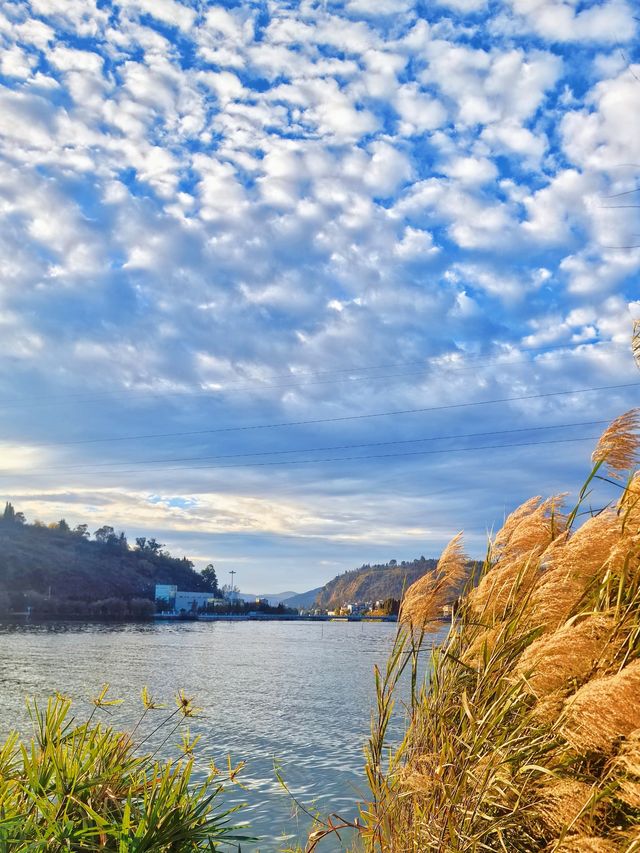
{"points": [[174, 600]]}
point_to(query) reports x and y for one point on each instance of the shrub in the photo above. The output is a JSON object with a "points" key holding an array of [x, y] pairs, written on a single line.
{"points": [[88, 787]]}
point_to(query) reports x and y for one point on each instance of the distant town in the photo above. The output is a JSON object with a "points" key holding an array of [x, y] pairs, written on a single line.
{"points": [[174, 604]]}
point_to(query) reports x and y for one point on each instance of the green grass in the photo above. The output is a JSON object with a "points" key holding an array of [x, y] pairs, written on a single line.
{"points": [[85, 786]]}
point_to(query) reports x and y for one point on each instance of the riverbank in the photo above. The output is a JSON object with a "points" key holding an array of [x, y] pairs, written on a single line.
{"points": [[268, 617]]}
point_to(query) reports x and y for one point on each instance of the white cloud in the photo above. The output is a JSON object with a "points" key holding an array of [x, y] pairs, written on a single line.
{"points": [[16, 62], [168, 11], [464, 5], [416, 244], [471, 170], [559, 20], [419, 111], [603, 136]]}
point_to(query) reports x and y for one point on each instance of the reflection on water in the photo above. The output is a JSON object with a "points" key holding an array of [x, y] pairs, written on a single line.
{"points": [[293, 692]]}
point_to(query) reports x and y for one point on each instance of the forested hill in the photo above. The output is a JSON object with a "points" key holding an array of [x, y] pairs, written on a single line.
{"points": [[57, 561], [373, 583]]}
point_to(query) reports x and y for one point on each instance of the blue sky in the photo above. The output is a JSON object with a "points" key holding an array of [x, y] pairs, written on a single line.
{"points": [[231, 215]]}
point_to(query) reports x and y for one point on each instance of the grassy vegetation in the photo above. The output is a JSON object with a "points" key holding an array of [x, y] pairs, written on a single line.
{"points": [[527, 737], [87, 787]]}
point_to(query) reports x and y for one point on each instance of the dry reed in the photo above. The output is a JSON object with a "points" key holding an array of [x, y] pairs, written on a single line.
{"points": [[626, 770], [570, 569], [425, 599], [547, 666], [524, 538], [527, 737], [619, 443], [604, 711], [586, 844], [567, 803]]}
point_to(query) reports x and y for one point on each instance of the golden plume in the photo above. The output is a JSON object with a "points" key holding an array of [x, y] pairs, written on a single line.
{"points": [[524, 537], [585, 844], [556, 661], [603, 711], [619, 443], [569, 566], [566, 804], [424, 600], [626, 768]]}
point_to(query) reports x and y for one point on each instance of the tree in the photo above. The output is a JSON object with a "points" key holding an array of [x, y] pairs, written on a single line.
{"points": [[81, 530], [141, 543], [19, 518], [154, 546], [209, 574], [63, 527], [9, 514], [105, 535]]}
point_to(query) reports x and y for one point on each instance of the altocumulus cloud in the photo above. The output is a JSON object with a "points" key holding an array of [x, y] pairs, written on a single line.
{"points": [[244, 214]]}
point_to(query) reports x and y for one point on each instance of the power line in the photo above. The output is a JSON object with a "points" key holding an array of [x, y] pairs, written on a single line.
{"points": [[338, 419], [394, 442], [372, 456], [195, 393]]}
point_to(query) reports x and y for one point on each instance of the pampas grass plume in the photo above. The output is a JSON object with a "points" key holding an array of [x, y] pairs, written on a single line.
{"points": [[619, 443], [604, 711], [424, 600]]}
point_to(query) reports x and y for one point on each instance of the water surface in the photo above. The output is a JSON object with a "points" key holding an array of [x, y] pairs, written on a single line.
{"points": [[293, 692]]}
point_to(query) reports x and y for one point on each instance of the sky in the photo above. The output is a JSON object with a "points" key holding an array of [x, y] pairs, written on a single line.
{"points": [[231, 233]]}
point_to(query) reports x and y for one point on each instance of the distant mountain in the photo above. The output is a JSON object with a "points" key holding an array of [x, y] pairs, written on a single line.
{"points": [[373, 583], [274, 598], [304, 599]]}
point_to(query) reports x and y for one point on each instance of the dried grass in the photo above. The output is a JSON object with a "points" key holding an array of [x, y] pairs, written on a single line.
{"points": [[527, 737], [555, 662], [567, 805], [526, 535], [585, 844], [635, 341], [424, 600], [626, 769], [571, 567], [603, 711], [619, 443]]}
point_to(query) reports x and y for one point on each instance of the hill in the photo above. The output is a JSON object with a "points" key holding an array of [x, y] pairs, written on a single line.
{"points": [[373, 583], [274, 598], [302, 600], [62, 571]]}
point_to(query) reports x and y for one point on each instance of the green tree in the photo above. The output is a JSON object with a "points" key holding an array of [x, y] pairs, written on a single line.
{"points": [[210, 576]]}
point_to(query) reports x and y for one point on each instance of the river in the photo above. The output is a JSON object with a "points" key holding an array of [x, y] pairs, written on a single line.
{"points": [[296, 693]]}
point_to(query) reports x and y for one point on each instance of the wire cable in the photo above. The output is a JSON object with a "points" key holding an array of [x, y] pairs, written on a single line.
{"points": [[364, 458], [259, 385], [337, 419], [95, 465]]}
